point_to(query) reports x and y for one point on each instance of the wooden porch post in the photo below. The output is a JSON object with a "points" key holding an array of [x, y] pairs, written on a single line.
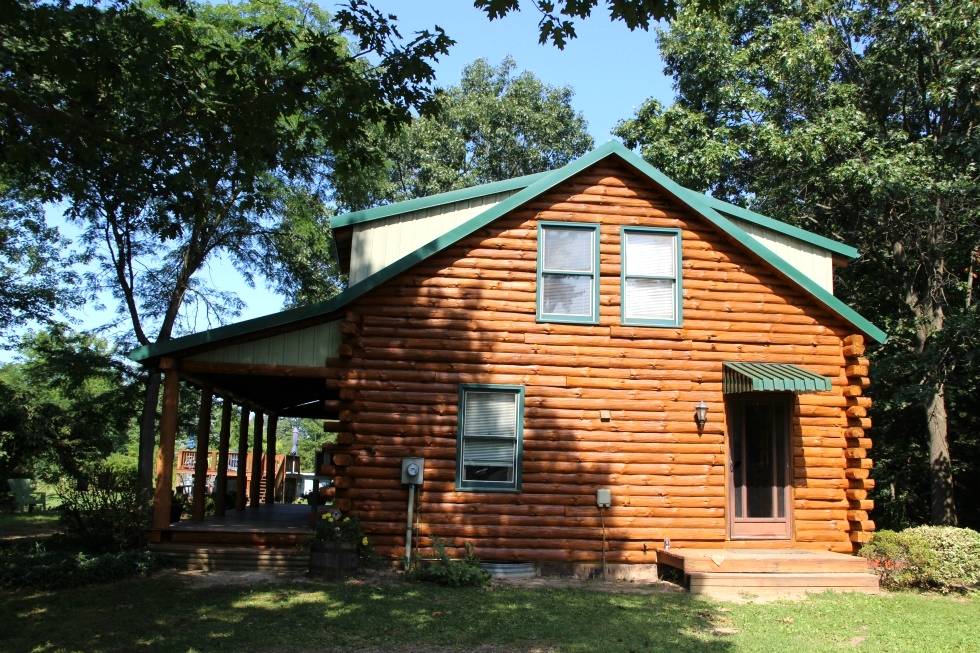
{"points": [[221, 479], [202, 454], [254, 484], [165, 454], [270, 460], [241, 474]]}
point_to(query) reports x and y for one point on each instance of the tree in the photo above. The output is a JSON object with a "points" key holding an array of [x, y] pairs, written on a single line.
{"points": [[857, 120], [69, 400], [555, 21], [495, 125], [176, 135], [36, 278]]}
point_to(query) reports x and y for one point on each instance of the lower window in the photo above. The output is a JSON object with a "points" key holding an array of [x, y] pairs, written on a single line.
{"points": [[488, 444]]}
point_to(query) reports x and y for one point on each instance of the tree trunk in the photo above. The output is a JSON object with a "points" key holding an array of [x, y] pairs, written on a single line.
{"points": [[943, 511], [148, 423]]}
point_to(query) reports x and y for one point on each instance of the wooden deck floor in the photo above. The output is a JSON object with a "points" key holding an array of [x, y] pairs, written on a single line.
{"points": [[728, 573], [269, 525]]}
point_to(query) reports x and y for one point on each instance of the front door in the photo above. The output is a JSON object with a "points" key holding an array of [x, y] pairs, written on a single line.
{"points": [[760, 472]]}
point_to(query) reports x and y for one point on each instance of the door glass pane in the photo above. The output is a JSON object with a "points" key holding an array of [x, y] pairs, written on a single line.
{"points": [[738, 472], [759, 463], [782, 463]]}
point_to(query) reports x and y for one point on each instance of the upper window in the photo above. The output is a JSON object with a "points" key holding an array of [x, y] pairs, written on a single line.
{"points": [[488, 445], [651, 278], [568, 272]]}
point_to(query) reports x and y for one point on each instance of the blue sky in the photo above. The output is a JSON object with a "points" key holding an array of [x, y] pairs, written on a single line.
{"points": [[611, 69]]}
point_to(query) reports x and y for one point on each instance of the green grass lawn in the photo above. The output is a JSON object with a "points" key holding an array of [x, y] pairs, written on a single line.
{"points": [[170, 613], [34, 523]]}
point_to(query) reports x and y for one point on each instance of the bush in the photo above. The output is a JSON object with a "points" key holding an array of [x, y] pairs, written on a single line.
{"points": [[957, 552], [454, 573], [110, 516], [52, 565], [942, 558], [901, 560]]}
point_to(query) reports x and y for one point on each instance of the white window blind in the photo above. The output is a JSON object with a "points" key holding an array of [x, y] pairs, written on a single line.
{"points": [[489, 438], [568, 274], [490, 414], [650, 277]]}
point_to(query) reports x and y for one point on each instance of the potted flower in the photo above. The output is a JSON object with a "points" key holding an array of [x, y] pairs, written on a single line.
{"points": [[336, 545]]}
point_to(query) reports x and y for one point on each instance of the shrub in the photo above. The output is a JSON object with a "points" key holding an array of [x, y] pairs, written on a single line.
{"points": [[454, 573], [943, 558], [111, 515], [957, 552], [901, 560], [52, 565]]}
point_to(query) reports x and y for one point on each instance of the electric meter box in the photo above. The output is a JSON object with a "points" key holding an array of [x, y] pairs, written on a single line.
{"points": [[412, 470], [603, 498]]}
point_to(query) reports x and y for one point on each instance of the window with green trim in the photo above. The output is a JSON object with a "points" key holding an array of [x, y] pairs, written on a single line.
{"points": [[651, 277], [488, 441], [568, 272]]}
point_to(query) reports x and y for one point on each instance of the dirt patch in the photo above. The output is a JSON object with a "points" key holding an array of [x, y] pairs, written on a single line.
{"points": [[375, 577]]}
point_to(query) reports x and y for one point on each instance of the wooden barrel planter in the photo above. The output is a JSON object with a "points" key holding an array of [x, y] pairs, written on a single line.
{"points": [[333, 560]]}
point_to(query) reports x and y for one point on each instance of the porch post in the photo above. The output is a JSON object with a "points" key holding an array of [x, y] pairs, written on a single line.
{"points": [[241, 472], [163, 491], [221, 477], [202, 454], [254, 483], [270, 460]]}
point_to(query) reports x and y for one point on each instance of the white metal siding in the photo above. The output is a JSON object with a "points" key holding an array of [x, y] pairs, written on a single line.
{"points": [[814, 262], [380, 243], [309, 347]]}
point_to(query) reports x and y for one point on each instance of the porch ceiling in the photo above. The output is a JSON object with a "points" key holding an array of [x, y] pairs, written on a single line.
{"points": [[283, 396]]}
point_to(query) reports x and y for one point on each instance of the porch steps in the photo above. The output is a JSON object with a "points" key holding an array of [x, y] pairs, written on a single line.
{"points": [[234, 558], [733, 573]]}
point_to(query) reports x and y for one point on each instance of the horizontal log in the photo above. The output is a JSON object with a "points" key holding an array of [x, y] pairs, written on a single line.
{"points": [[818, 494], [865, 504], [859, 442], [854, 452], [856, 474], [860, 463], [859, 537], [857, 515], [852, 391], [852, 351], [857, 495], [856, 411], [864, 525], [852, 371], [861, 484], [854, 340]]}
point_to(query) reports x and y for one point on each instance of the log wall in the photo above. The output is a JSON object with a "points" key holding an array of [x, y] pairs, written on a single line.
{"points": [[467, 315]]}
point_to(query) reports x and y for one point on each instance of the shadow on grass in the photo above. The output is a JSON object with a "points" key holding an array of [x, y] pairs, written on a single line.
{"points": [[167, 613]]}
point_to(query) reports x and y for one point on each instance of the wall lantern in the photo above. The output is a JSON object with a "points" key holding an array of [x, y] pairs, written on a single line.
{"points": [[701, 415]]}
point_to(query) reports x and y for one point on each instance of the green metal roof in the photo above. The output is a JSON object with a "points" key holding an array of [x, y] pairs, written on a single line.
{"points": [[539, 183], [422, 203], [771, 377]]}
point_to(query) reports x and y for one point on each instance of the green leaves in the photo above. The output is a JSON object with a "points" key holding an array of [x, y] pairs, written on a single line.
{"points": [[495, 125]]}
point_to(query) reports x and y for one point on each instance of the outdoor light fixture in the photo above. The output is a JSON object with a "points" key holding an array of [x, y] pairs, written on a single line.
{"points": [[701, 415]]}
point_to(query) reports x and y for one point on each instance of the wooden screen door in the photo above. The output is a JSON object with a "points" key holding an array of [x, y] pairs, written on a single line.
{"points": [[760, 467]]}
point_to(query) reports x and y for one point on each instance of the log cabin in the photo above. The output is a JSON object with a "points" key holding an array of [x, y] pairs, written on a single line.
{"points": [[535, 340]]}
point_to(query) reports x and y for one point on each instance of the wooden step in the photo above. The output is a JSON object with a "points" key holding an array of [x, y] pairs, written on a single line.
{"points": [[231, 538], [781, 583], [216, 558], [693, 561]]}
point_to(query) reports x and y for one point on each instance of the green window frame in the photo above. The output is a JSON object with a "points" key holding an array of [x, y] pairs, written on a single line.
{"points": [[564, 274], [489, 438], [650, 279]]}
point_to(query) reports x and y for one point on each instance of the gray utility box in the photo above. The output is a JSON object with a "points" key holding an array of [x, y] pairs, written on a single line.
{"points": [[603, 498], [412, 469]]}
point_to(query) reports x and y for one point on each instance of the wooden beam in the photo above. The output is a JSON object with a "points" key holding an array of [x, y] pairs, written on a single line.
{"points": [[248, 369], [241, 475], [254, 483], [165, 454], [221, 478], [270, 460], [202, 454], [224, 392]]}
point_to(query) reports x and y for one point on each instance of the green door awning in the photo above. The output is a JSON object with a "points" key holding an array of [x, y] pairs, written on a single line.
{"points": [[771, 377]]}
